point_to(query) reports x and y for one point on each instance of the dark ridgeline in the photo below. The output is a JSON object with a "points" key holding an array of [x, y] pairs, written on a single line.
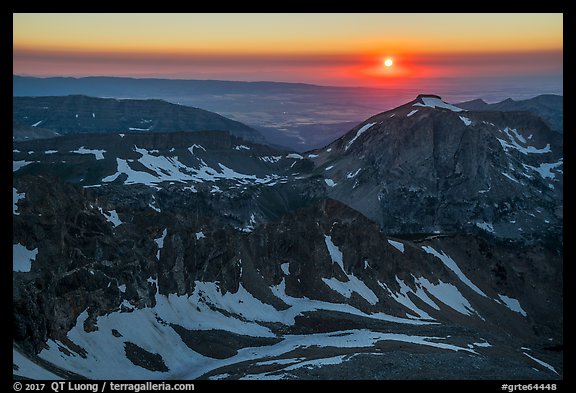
{"points": [[549, 107], [83, 114]]}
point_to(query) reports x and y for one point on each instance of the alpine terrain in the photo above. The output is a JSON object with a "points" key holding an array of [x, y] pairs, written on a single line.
{"points": [[36, 117], [425, 243]]}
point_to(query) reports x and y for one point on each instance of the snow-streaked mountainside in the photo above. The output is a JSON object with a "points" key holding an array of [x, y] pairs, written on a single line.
{"points": [[432, 167], [425, 243], [549, 107]]}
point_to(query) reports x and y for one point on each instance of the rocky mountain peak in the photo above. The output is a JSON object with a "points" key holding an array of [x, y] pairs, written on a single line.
{"points": [[420, 159], [421, 96]]}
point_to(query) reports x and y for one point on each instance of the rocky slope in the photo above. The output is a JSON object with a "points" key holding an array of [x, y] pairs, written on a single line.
{"points": [[549, 107], [200, 255], [431, 167]]}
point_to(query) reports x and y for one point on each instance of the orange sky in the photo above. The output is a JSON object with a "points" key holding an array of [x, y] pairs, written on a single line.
{"points": [[335, 49]]}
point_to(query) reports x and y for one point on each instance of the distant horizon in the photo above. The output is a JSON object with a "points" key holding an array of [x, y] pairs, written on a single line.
{"points": [[489, 89]]}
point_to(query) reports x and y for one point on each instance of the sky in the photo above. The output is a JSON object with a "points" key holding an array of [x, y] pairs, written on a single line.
{"points": [[327, 49]]}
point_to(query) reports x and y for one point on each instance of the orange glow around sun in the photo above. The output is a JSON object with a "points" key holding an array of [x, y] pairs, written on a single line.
{"points": [[377, 67]]}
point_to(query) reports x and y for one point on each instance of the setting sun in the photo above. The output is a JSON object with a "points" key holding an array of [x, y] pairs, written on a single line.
{"points": [[388, 62]]}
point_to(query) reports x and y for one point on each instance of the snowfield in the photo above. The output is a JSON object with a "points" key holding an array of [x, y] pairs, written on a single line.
{"points": [[169, 168], [22, 258], [207, 309], [433, 102], [99, 154]]}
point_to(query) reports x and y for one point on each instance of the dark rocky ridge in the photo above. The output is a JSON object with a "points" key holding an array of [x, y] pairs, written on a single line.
{"points": [[549, 107], [83, 114]]}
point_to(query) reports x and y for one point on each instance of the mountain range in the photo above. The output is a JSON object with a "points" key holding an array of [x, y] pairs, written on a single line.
{"points": [[80, 114], [298, 116], [425, 243], [549, 107]]}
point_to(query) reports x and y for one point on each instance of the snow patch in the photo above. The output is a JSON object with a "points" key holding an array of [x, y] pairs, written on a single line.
{"points": [[449, 295], [545, 169], [403, 298], [362, 130], [510, 177], [285, 268], [37, 124], [335, 253], [330, 182], [517, 135], [111, 216], [99, 154], [200, 235], [241, 147], [270, 159], [195, 146], [160, 242], [295, 155], [17, 165], [351, 175], [412, 112], [485, 226], [513, 304], [166, 168], [399, 246], [317, 362], [514, 137], [434, 102], [298, 306], [450, 264], [465, 120], [540, 362], [352, 285], [16, 196], [22, 258], [154, 208]]}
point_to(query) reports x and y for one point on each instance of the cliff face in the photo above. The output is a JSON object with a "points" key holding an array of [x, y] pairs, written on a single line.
{"points": [[429, 166]]}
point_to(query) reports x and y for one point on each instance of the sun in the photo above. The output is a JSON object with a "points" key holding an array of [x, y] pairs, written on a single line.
{"points": [[388, 62]]}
